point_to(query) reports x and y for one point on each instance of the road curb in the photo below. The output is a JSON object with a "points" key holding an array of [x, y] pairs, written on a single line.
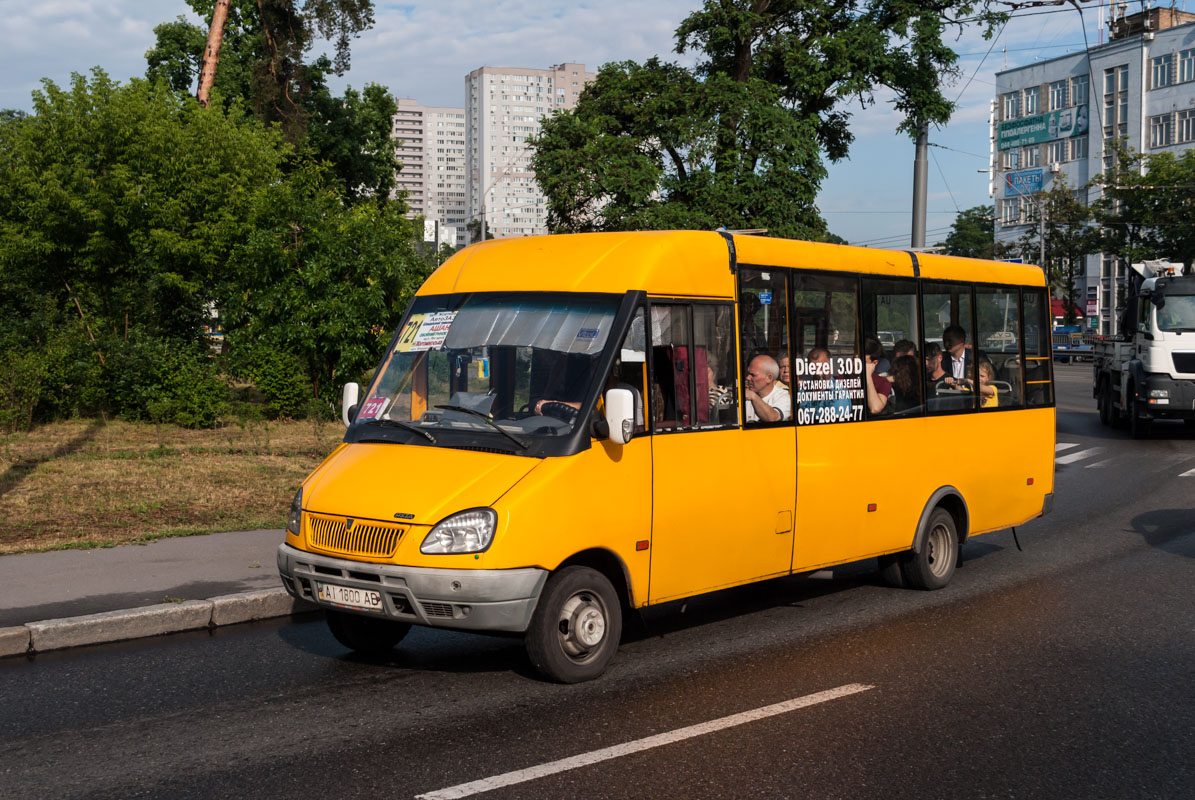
{"points": [[155, 620]]}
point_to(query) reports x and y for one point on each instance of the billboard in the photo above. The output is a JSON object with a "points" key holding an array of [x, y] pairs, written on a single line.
{"points": [[1042, 128], [1027, 181]]}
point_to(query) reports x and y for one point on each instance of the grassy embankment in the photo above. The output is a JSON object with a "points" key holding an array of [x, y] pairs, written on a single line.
{"points": [[97, 483]]}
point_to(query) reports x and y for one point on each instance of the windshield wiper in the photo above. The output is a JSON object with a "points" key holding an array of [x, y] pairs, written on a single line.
{"points": [[489, 420], [406, 426]]}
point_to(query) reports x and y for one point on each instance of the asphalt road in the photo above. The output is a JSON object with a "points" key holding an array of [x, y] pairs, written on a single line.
{"points": [[1062, 671]]}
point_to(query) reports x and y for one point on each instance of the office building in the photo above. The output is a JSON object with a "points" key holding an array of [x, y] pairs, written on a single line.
{"points": [[503, 109], [1055, 121]]}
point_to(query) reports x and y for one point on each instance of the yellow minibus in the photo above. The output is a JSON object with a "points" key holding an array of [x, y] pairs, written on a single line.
{"points": [[565, 429]]}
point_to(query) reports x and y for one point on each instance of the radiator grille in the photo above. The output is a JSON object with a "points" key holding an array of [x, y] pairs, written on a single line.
{"points": [[361, 538], [1184, 362]]}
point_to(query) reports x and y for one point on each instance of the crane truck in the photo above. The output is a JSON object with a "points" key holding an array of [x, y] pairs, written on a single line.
{"points": [[1147, 370]]}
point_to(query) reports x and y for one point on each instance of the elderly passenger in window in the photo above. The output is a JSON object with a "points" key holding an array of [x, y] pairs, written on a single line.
{"points": [[767, 401]]}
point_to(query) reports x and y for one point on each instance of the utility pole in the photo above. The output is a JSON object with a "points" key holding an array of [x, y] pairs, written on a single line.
{"points": [[920, 178], [211, 52]]}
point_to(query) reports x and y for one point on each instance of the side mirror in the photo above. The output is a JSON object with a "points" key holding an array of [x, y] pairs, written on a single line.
{"points": [[348, 403], [620, 414]]}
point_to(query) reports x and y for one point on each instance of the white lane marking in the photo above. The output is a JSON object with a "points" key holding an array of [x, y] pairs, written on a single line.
{"points": [[1097, 464], [1188, 474], [639, 745], [1058, 448], [1079, 456]]}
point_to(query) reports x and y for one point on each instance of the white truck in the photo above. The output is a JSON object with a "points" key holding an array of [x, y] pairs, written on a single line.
{"points": [[1147, 371]]}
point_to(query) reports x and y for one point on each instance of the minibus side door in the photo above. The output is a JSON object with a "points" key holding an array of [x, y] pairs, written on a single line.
{"points": [[722, 496]]}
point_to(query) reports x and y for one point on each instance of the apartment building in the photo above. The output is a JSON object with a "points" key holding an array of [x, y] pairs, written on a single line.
{"points": [[1055, 121], [431, 150], [503, 109]]}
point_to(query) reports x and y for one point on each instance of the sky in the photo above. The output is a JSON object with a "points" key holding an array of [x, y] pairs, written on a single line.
{"points": [[424, 48]]}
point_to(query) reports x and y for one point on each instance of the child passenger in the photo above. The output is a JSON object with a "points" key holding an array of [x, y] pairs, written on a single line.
{"points": [[987, 392]]}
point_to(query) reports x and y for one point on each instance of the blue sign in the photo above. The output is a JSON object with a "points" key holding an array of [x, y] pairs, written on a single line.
{"points": [[1026, 181], [765, 298]]}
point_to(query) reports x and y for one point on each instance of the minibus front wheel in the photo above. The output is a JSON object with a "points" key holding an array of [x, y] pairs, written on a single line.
{"points": [[366, 635], [576, 626]]}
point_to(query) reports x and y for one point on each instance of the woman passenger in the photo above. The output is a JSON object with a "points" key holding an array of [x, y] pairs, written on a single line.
{"points": [[906, 379]]}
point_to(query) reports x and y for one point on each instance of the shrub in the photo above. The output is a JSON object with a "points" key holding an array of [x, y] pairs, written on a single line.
{"points": [[21, 375], [164, 380], [277, 374]]}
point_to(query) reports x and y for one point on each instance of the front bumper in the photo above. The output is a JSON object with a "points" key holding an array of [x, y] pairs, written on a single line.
{"points": [[464, 599], [1180, 403]]}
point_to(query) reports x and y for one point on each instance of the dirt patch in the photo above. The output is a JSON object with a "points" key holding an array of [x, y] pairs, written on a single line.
{"points": [[97, 483]]}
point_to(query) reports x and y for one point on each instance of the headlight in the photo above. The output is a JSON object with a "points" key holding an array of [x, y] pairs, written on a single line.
{"points": [[1159, 392], [465, 532], [295, 521]]}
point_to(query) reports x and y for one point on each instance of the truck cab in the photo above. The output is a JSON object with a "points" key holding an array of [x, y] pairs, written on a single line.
{"points": [[1147, 372]]}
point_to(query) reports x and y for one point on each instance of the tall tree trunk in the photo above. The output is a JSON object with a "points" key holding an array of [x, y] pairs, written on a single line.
{"points": [[211, 53]]}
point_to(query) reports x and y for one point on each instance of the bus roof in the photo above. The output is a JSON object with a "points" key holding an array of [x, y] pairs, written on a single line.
{"points": [[681, 263]]}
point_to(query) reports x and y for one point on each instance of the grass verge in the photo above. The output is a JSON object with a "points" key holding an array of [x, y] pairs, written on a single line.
{"points": [[96, 483]]}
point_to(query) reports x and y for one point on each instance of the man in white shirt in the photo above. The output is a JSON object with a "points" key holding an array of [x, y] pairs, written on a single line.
{"points": [[956, 359], [766, 401]]}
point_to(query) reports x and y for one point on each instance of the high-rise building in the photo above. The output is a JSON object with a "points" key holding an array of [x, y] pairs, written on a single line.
{"points": [[503, 109], [432, 153], [1057, 121]]}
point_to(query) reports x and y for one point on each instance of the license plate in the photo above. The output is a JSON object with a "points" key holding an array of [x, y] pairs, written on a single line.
{"points": [[348, 596]]}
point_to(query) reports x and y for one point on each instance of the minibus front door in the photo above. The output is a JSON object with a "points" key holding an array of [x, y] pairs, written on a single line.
{"points": [[722, 508]]}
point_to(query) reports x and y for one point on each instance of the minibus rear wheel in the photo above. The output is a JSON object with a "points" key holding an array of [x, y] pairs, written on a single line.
{"points": [[933, 567], [576, 626], [366, 635]]}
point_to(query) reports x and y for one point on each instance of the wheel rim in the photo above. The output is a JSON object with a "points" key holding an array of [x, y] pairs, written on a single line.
{"points": [[939, 546], [582, 625]]}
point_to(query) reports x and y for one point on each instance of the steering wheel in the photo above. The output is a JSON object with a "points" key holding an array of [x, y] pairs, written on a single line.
{"points": [[561, 411]]}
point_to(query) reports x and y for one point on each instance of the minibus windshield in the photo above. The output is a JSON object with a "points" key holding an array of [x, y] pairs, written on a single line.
{"points": [[515, 366]]}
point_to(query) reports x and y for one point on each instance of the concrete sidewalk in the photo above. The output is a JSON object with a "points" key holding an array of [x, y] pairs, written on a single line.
{"points": [[67, 598]]}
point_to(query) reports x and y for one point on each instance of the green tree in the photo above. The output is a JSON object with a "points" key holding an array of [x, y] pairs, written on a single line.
{"points": [[262, 58], [321, 279], [1146, 206], [1069, 237], [261, 64], [118, 214], [121, 202], [352, 133], [972, 234], [738, 140]]}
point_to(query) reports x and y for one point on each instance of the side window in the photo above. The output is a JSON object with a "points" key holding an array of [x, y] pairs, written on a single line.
{"points": [[671, 394], [763, 346], [1035, 327], [998, 347], [630, 368], [891, 347], [950, 365], [827, 362], [713, 339]]}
